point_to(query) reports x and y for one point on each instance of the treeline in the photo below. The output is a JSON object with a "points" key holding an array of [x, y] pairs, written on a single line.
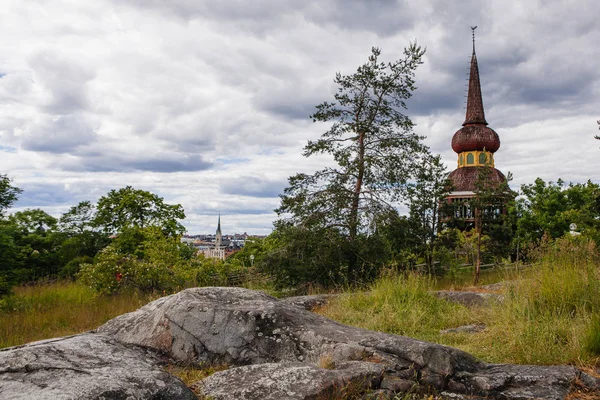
{"points": [[129, 239]]}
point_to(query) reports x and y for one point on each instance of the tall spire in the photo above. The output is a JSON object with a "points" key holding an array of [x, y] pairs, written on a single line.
{"points": [[218, 236], [475, 113]]}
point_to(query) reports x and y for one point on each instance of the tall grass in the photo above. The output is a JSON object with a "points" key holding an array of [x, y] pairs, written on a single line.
{"points": [[550, 313], [50, 310], [401, 304]]}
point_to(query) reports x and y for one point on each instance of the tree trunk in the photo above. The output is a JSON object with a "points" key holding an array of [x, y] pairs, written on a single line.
{"points": [[478, 231], [354, 217]]}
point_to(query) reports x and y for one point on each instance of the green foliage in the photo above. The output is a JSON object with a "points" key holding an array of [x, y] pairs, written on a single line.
{"points": [[34, 245], [296, 256], [549, 208], [375, 151], [34, 221], [151, 266], [592, 335], [86, 243], [71, 268], [132, 208], [425, 194], [79, 219], [5, 286], [156, 263], [8, 193]]}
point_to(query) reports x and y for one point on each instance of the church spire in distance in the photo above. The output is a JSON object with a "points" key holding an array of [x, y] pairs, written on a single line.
{"points": [[475, 113], [219, 235]]}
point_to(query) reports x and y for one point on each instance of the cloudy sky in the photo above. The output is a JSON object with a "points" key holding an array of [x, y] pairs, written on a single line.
{"points": [[206, 102]]}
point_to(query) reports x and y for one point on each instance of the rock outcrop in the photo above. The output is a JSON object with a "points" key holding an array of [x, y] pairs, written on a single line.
{"points": [[276, 350], [241, 327], [292, 381], [86, 366]]}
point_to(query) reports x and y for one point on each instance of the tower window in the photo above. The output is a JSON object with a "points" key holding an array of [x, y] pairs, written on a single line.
{"points": [[470, 159], [482, 158]]}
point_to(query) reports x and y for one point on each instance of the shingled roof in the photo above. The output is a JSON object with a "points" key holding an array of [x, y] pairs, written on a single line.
{"points": [[474, 135]]}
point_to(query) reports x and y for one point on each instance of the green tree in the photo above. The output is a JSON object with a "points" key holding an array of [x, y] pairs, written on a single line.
{"points": [[489, 206], [8, 193], [129, 207], [374, 147], [10, 256], [549, 208], [296, 255], [425, 197], [38, 242], [82, 240], [34, 220], [79, 218]]}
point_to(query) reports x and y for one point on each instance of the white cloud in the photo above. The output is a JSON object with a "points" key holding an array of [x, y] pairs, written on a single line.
{"points": [[206, 103]]}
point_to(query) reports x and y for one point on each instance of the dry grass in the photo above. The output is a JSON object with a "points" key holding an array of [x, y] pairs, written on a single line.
{"points": [[59, 309], [326, 362], [191, 374]]}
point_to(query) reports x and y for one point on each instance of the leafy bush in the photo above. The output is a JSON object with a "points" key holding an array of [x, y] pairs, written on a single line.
{"points": [[5, 286], [71, 269], [157, 263]]}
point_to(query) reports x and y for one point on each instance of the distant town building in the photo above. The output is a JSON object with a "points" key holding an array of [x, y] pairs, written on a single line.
{"points": [[218, 250]]}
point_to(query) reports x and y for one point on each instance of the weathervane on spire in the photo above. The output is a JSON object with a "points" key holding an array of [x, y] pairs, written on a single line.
{"points": [[473, 33]]}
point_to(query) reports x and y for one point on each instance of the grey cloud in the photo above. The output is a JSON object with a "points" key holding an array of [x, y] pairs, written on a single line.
{"points": [[61, 134], [42, 195], [234, 210], [229, 204], [427, 100], [384, 17], [185, 163], [115, 162], [236, 10], [64, 78], [252, 186], [290, 101]]}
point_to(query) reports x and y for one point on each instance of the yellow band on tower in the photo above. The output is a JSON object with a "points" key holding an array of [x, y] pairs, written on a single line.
{"points": [[475, 159]]}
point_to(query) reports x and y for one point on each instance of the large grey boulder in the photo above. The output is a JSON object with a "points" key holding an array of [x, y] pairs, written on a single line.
{"points": [[292, 381], [242, 327], [238, 326], [86, 366]]}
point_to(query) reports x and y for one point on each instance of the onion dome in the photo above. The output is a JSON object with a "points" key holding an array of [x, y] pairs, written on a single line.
{"points": [[475, 137], [463, 179]]}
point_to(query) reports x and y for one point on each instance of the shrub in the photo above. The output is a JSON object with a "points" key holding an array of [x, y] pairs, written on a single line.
{"points": [[71, 269], [158, 264], [5, 286]]}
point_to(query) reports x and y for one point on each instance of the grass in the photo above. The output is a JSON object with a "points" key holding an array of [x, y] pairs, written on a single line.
{"points": [[50, 310], [550, 314]]}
